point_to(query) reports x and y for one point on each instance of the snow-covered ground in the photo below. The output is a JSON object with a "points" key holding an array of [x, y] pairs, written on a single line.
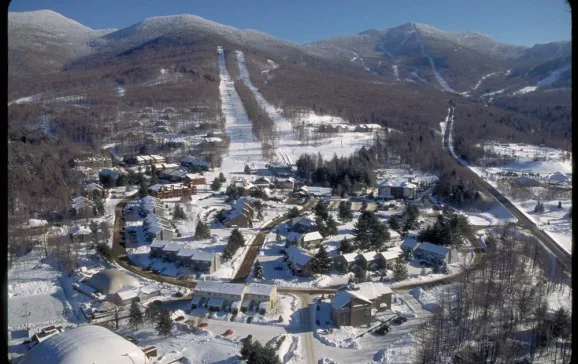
{"points": [[525, 90], [482, 79]]}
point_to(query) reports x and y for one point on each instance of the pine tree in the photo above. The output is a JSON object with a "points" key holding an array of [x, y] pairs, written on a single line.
{"points": [[247, 347], [164, 323], [332, 226], [393, 223], [94, 229], [363, 206], [444, 268], [322, 227], [437, 268], [321, 210], [344, 213], [227, 253], [360, 274], [559, 204], [247, 169], [135, 315], [258, 270], [151, 313], [202, 231], [345, 246], [408, 254], [321, 262], [369, 232], [222, 178], [216, 185], [277, 234], [260, 214], [293, 212], [179, 213], [143, 189], [400, 271]]}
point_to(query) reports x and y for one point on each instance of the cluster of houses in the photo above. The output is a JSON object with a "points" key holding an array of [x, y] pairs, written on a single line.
{"points": [[242, 214], [155, 225], [172, 190], [428, 252], [185, 256], [358, 306], [397, 189], [369, 260], [232, 297], [345, 128]]}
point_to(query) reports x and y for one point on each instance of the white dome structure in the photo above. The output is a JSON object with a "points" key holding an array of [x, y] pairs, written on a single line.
{"points": [[110, 281], [85, 344]]}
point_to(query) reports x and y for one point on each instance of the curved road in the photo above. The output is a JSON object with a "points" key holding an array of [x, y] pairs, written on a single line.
{"points": [[564, 258]]}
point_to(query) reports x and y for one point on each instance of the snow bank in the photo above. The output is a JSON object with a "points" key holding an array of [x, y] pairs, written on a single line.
{"points": [[398, 352], [427, 300]]}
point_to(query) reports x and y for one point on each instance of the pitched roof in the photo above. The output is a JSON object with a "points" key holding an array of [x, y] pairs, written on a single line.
{"points": [[298, 256], [432, 248], [314, 235], [203, 256], [342, 298], [372, 290], [350, 257], [260, 289], [221, 288]]}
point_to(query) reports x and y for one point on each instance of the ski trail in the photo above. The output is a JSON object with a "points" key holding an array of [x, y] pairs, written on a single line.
{"points": [[483, 78], [554, 76], [356, 57], [444, 85], [381, 47], [395, 71], [243, 148]]}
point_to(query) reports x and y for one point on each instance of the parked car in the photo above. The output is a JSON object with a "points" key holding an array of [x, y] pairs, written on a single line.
{"points": [[229, 332], [382, 330], [203, 324], [178, 294], [399, 320]]}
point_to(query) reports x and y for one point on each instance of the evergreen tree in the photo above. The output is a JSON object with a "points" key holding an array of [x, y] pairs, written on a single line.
{"points": [[393, 223], [135, 315], [444, 268], [247, 347], [247, 169], [258, 270], [321, 210], [345, 213], [363, 206], [321, 262], [361, 275], [408, 254], [400, 271], [151, 313], [154, 176], [94, 230], [293, 212], [277, 234], [332, 226], [164, 323], [98, 206], [216, 184], [222, 178], [322, 227], [144, 188], [369, 232], [237, 238], [227, 253], [559, 204], [179, 213], [202, 231], [345, 246]]}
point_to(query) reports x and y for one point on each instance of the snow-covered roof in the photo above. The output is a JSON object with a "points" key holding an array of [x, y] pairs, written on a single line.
{"points": [[261, 289], [263, 305], [77, 230], [196, 300], [317, 191], [173, 247], [81, 202], [369, 256], [159, 244], [298, 256], [372, 290], [203, 256], [221, 288], [342, 298], [128, 294], [150, 289], [432, 248], [350, 257], [194, 176], [304, 221], [391, 254], [85, 344], [92, 186], [186, 252], [314, 235], [36, 223], [110, 281], [108, 172]]}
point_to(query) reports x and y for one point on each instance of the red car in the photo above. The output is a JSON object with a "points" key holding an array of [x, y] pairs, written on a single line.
{"points": [[203, 324], [228, 332]]}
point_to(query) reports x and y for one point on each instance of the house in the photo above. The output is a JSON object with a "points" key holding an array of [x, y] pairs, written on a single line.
{"points": [[195, 179], [299, 261], [171, 250], [242, 214], [262, 182], [284, 183], [378, 293], [156, 248], [156, 227], [204, 262], [82, 207], [365, 128], [396, 189], [217, 295], [430, 253], [172, 190], [390, 257], [125, 296], [310, 240], [148, 292], [152, 205], [91, 190], [302, 224], [356, 307], [409, 244], [346, 261], [349, 308], [194, 162], [34, 227], [280, 169], [110, 173], [262, 296], [252, 169], [315, 191], [369, 260], [80, 234], [174, 174], [184, 256]]}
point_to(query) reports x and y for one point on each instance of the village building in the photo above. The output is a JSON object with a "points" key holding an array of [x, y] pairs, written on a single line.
{"points": [[346, 261], [195, 179], [234, 297], [315, 191], [173, 174], [156, 227], [172, 190], [310, 240], [196, 163], [109, 281], [46, 333], [82, 207], [80, 234], [171, 250], [358, 306], [397, 189], [91, 190], [284, 183], [299, 261], [152, 205], [156, 248], [431, 253], [280, 169], [242, 214], [261, 296]]}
